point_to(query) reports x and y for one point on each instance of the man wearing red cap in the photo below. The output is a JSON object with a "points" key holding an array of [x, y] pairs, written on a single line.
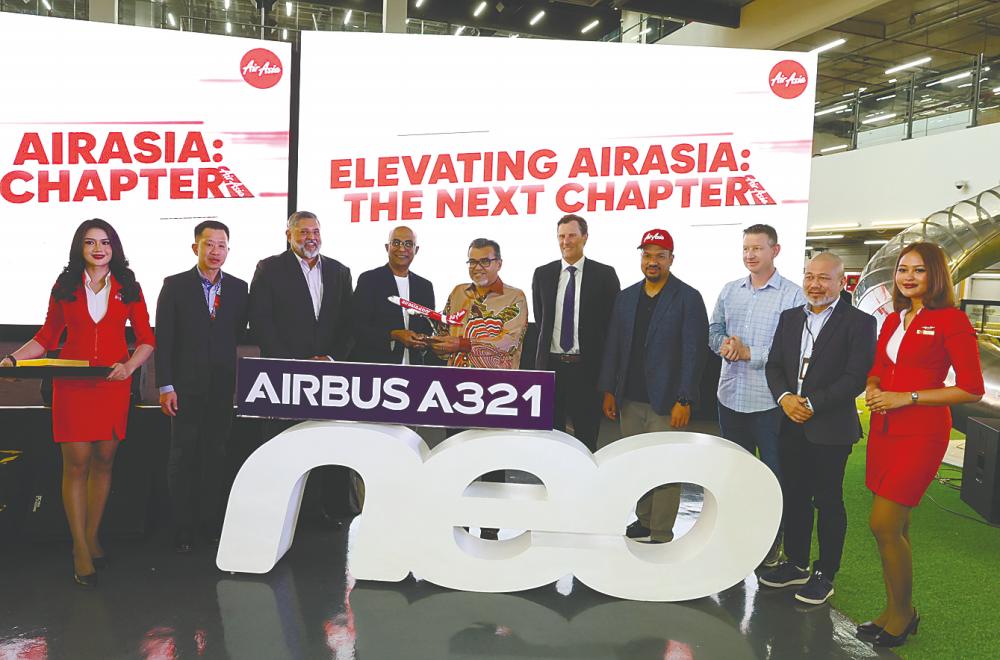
{"points": [[656, 348]]}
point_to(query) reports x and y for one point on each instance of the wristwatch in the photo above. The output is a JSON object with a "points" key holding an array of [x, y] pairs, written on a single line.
{"points": [[914, 397], [683, 401]]}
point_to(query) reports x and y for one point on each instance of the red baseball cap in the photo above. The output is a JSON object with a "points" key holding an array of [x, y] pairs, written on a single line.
{"points": [[659, 237]]}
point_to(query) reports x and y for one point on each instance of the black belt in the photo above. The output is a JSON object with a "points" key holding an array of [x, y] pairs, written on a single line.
{"points": [[566, 358]]}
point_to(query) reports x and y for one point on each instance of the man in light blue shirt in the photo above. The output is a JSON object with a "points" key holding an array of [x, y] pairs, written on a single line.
{"points": [[741, 329]]}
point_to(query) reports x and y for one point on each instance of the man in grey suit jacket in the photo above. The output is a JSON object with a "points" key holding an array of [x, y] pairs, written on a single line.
{"points": [[656, 348], [817, 367]]}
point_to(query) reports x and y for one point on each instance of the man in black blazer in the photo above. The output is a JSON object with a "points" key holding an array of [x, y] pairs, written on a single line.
{"points": [[572, 329], [201, 315], [300, 301], [817, 367], [300, 305], [383, 331]]}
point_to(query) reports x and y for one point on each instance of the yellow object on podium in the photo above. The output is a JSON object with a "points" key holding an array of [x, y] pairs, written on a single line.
{"points": [[51, 362]]}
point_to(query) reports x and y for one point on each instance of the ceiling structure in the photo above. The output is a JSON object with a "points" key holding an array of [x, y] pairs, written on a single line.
{"points": [[951, 32], [562, 19]]}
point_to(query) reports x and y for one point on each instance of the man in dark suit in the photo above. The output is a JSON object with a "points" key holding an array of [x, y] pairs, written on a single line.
{"points": [[572, 300], [201, 315], [300, 301], [656, 348], [817, 367], [300, 304], [383, 331]]}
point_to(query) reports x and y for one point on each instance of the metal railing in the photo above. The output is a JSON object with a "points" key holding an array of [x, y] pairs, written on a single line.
{"points": [[909, 107]]}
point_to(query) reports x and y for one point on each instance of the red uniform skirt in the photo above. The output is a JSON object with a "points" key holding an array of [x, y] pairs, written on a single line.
{"points": [[901, 467], [89, 410]]}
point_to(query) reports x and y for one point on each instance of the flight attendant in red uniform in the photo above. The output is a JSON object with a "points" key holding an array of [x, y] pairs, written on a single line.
{"points": [[92, 299], [911, 422]]}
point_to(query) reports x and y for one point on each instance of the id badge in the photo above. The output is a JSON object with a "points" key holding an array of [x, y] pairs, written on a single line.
{"points": [[804, 368]]}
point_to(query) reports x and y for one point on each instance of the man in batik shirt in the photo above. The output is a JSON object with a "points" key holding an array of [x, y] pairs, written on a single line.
{"points": [[491, 335]]}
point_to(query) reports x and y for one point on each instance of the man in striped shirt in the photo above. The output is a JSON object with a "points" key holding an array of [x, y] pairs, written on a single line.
{"points": [[741, 329]]}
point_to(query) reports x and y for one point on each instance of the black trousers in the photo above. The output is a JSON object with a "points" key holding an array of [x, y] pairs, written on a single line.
{"points": [[577, 401], [196, 469], [813, 484]]}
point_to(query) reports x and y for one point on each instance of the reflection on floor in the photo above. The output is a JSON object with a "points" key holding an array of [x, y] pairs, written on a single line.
{"points": [[152, 603]]}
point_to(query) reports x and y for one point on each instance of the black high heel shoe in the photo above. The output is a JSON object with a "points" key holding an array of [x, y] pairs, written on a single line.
{"points": [[868, 631], [100, 563], [887, 640], [88, 581]]}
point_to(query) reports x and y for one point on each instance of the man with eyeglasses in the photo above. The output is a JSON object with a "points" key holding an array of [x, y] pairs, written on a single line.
{"points": [[384, 332], [491, 335], [652, 365]]}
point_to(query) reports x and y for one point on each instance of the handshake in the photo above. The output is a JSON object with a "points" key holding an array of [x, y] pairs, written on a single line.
{"points": [[441, 345]]}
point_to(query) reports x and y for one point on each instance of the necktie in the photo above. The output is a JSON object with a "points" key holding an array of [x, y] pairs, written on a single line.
{"points": [[569, 307]]}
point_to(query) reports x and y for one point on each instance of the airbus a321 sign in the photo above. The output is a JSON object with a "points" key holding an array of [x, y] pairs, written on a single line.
{"points": [[418, 502]]}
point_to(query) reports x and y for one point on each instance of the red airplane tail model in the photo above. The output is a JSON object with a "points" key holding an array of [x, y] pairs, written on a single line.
{"points": [[413, 309]]}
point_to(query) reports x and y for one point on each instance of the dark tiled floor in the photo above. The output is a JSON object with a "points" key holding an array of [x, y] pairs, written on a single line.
{"points": [[152, 603]]}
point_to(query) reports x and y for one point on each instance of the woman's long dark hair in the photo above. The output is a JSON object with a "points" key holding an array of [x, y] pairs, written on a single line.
{"points": [[72, 275]]}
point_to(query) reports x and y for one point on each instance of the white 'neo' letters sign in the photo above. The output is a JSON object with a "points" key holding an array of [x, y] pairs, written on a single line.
{"points": [[418, 500]]}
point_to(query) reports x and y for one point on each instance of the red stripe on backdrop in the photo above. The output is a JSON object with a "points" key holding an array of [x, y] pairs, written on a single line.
{"points": [[99, 123]]}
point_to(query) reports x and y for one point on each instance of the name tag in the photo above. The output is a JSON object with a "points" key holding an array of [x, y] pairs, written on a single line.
{"points": [[804, 368], [926, 330]]}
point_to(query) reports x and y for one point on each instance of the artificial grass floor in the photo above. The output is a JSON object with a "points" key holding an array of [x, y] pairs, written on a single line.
{"points": [[956, 566]]}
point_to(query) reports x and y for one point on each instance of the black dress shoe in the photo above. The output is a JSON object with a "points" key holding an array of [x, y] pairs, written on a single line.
{"points": [[868, 631], [85, 580], [887, 640], [100, 563]]}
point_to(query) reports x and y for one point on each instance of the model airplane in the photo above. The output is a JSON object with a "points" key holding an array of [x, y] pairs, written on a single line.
{"points": [[413, 309]]}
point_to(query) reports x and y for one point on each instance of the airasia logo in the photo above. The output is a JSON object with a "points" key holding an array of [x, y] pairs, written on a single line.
{"points": [[654, 237], [261, 68], [788, 79]]}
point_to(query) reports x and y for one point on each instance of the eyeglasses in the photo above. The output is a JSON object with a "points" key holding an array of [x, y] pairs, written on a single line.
{"points": [[482, 263], [396, 243]]}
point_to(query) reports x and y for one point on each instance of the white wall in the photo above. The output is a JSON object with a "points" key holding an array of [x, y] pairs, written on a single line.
{"points": [[906, 180]]}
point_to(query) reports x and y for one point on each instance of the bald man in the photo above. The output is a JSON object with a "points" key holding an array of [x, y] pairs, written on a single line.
{"points": [[382, 331], [817, 367]]}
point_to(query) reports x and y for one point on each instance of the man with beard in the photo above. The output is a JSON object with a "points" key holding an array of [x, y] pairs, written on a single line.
{"points": [[653, 358], [384, 332], [491, 335], [300, 304], [817, 367]]}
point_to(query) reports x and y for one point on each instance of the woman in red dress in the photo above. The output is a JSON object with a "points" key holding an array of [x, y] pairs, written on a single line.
{"points": [[92, 299], [911, 422]]}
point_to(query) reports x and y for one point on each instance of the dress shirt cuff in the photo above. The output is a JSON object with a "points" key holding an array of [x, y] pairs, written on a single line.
{"points": [[166, 389], [464, 344], [809, 404]]}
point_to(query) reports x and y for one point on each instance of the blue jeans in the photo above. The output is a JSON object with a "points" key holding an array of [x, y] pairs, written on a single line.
{"points": [[755, 432]]}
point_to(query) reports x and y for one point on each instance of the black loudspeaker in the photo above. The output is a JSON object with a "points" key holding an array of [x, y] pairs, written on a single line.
{"points": [[981, 468]]}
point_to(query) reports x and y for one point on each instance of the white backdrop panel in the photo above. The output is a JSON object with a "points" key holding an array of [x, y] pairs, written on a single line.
{"points": [[366, 97], [105, 80]]}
